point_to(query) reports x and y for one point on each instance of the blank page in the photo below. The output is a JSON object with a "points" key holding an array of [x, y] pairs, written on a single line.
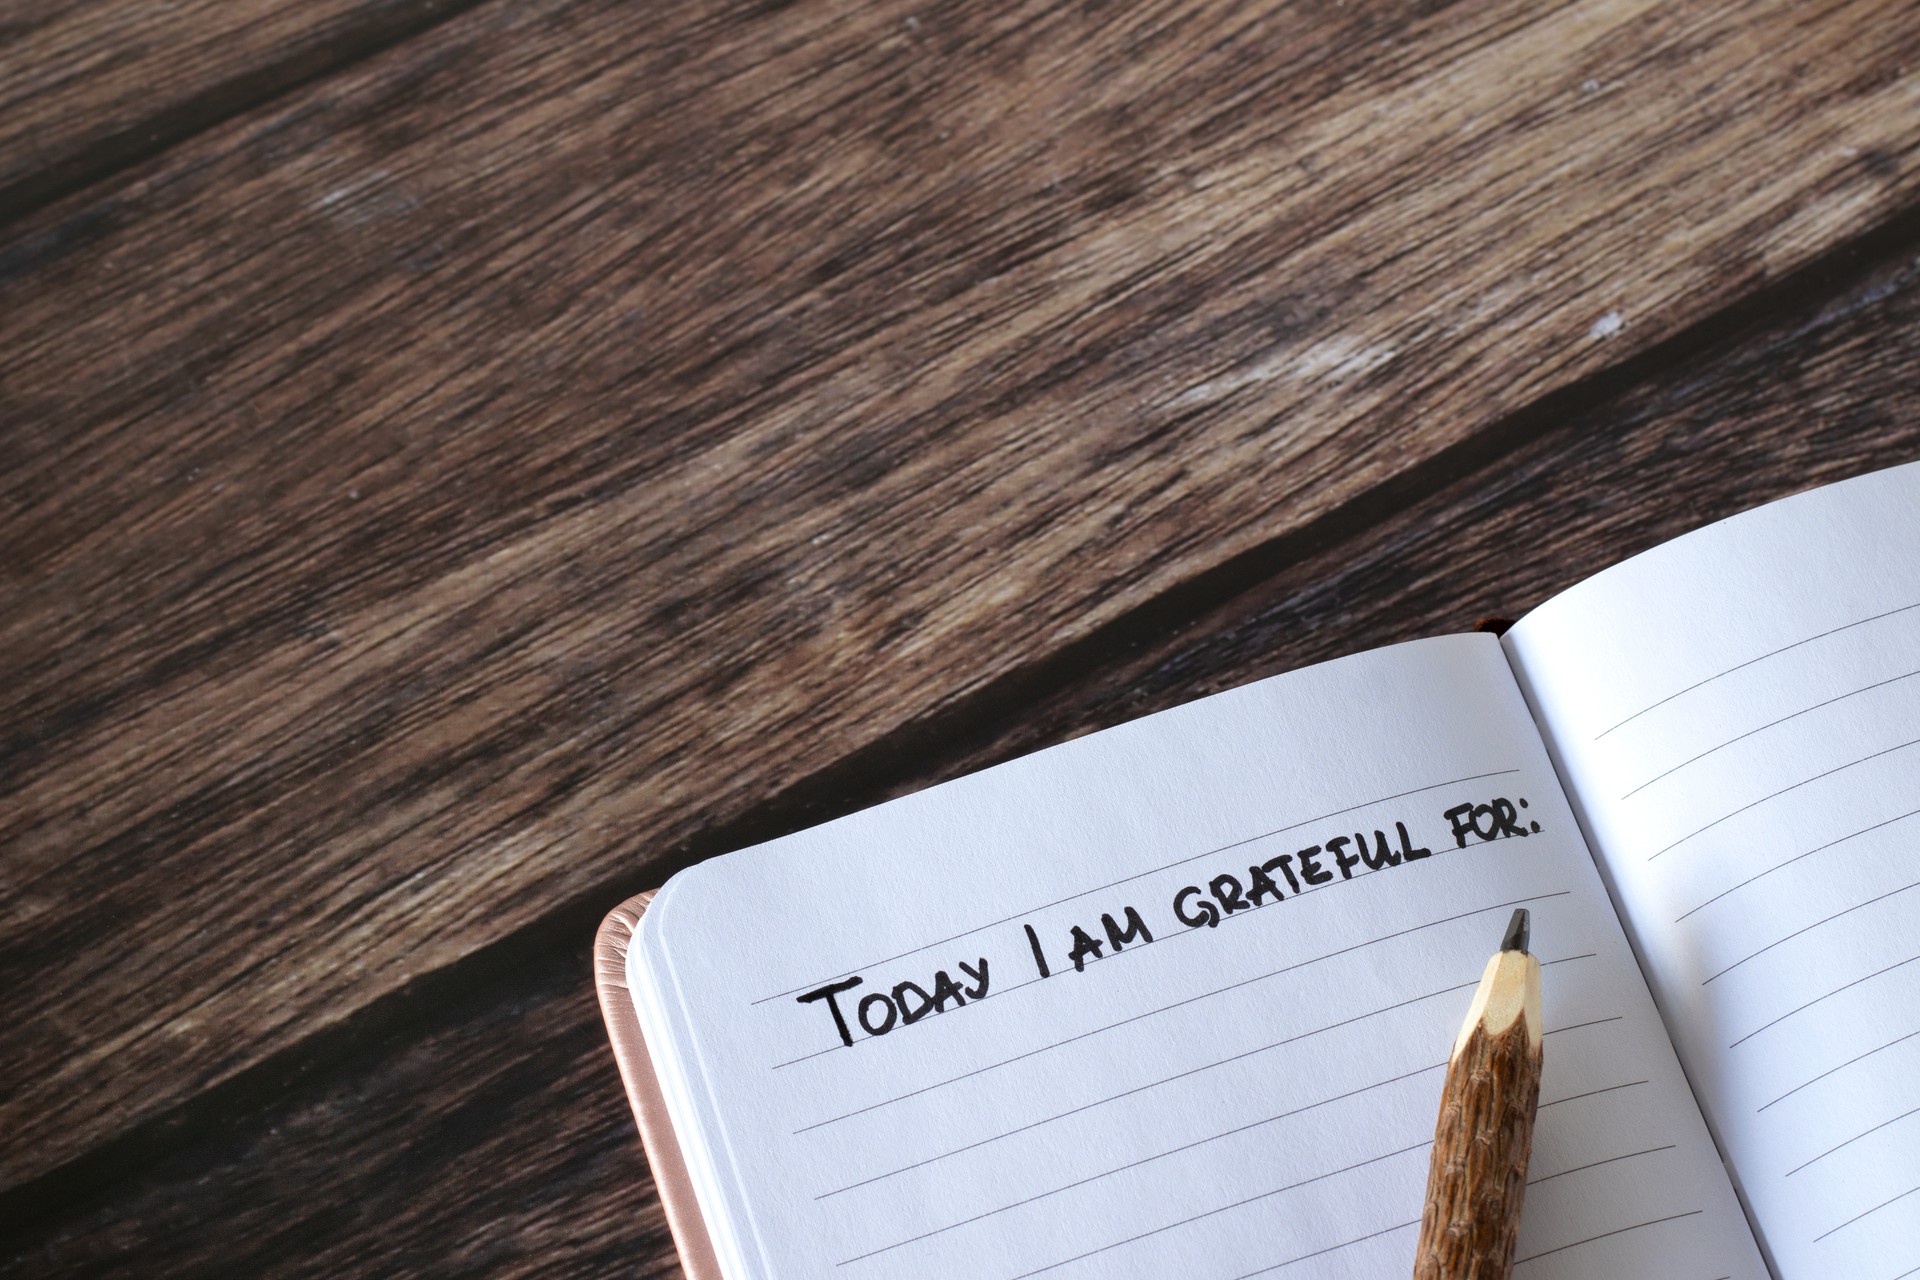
{"points": [[1174, 999], [1738, 714]]}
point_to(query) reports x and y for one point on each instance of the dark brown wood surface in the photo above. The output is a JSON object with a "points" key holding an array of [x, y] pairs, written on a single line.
{"points": [[90, 86], [571, 441]]}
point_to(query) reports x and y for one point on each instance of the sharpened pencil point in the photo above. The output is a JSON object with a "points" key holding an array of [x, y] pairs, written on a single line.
{"points": [[1518, 930]]}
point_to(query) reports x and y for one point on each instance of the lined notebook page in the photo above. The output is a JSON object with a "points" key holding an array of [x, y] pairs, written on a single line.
{"points": [[1739, 714], [1240, 1075]]}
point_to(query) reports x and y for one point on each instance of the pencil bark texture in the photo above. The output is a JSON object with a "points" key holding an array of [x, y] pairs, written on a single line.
{"points": [[1478, 1177]]}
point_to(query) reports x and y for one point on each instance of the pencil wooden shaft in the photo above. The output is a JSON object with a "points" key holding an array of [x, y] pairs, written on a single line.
{"points": [[1478, 1173]]}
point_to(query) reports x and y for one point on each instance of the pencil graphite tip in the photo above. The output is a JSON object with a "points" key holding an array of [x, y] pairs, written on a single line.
{"points": [[1518, 930]]}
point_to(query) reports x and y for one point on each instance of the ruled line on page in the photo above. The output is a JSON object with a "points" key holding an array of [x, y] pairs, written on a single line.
{"points": [[1114, 884], [1596, 1022], [1866, 1214], [1850, 1141], [1177, 1150], [1332, 1248], [834, 1048], [1842, 1067], [1858, 906], [1797, 857], [1593, 1093], [1204, 995], [1134, 1239], [1107, 1173], [1854, 693], [1582, 1168], [1739, 666], [1141, 1089], [1817, 999], [1228, 1133], [1135, 1164], [1225, 1208], [995, 994], [1604, 1235], [1284, 1115], [1885, 751], [1293, 1039], [1245, 912]]}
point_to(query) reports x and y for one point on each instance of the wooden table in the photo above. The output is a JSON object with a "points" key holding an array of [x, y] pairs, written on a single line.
{"points": [[464, 461]]}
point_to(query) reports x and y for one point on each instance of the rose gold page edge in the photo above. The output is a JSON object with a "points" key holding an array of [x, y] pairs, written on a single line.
{"points": [[697, 1256]]}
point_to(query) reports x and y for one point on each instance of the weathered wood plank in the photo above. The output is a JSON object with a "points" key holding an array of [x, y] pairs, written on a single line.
{"points": [[489, 1145], [426, 506], [494, 1141], [1822, 395], [87, 88]]}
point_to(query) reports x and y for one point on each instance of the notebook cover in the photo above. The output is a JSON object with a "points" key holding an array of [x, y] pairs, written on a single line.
{"points": [[697, 1257]]}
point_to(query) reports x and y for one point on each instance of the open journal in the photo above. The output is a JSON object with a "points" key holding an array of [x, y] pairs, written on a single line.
{"points": [[1175, 999]]}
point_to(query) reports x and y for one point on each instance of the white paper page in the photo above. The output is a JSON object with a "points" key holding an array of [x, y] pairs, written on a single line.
{"points": [[1252, 1097], [1738, 713]]}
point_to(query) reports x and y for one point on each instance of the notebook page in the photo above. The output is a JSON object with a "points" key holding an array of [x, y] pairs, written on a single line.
{"points": [[1239, 1077], [1738, 714]]}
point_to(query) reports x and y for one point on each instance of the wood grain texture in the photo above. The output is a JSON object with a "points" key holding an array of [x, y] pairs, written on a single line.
{"points": [[1821, 393], [429, 505], [431, 501], [1483, 1137], [493, 1141], [88, 87], [1818, 393]]}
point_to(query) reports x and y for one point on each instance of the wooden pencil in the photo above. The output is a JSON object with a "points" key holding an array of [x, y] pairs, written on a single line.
{"points": [[1478, 1173]]}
